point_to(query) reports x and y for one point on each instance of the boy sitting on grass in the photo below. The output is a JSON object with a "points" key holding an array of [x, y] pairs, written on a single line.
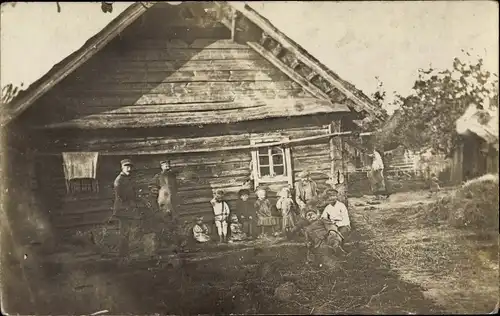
{"points": [[336, 212], [200, 231]]}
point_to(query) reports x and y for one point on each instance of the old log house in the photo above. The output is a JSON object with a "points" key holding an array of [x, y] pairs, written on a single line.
{"points": [[211, 86]]}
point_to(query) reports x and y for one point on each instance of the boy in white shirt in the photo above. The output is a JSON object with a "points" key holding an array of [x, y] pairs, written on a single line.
{"points": [[221, 214], [337, 213]]}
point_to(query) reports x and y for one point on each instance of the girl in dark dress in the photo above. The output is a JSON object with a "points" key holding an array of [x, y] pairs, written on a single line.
{"points": [[263, 209]]}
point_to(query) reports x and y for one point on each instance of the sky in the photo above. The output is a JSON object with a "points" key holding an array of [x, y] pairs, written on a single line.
{"points": [[359, 40]]}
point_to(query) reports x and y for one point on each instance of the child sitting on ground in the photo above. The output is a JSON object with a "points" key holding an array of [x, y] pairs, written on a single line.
{"points": [[200, 231], [285, 205], [247, 212], [236, 228], [263, 210], [221, 214]]}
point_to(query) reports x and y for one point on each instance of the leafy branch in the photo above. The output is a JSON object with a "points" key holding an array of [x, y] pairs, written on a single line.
{"points": [[427, 116]]}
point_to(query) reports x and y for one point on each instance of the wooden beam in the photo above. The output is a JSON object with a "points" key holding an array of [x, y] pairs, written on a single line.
{"points": [[288, 71], [329, 89], [263, 39], [277, 50], [295, 64], [311, 76], [82, 55], [233, 25], [219, 149]]}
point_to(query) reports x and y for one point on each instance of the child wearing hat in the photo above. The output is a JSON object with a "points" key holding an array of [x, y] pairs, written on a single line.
{"points": [[221, 214], [263, 209], [200, 231]]}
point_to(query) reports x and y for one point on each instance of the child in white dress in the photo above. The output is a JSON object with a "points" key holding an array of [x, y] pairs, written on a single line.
{"points": [[286, 206]]}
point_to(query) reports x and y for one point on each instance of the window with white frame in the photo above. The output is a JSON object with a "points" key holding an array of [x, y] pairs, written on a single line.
{"points": [[271, 163]]}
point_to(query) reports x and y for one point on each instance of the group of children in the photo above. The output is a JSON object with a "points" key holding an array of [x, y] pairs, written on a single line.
{"points": [[261, 214]]}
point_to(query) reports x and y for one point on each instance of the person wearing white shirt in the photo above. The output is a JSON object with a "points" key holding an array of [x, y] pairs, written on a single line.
{"points": [[336, 212], [377, 174], [221, 214]]}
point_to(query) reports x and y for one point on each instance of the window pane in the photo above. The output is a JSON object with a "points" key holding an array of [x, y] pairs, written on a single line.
{"points": [[264, 171], [276, 151], [264, 160], [263, 151], [277, 159], [279, 170]]}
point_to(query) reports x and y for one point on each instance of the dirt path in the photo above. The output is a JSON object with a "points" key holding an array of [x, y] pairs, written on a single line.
{"points": [[458, 269]]}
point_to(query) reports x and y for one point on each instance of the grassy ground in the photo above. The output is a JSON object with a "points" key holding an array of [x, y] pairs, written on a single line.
{"points": [[397, 263], [456, 266]]}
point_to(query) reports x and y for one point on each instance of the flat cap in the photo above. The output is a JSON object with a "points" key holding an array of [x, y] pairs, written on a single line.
{"points": [[126, 162]]}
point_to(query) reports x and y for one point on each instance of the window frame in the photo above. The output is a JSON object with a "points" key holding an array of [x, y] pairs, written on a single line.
{"points": [[256, 166]]}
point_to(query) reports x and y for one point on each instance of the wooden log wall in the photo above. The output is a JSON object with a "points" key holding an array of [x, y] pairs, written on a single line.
{"points": [[198, 174]]}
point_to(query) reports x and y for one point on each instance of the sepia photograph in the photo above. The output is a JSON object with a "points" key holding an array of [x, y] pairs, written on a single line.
{"points": [[249, 158]]}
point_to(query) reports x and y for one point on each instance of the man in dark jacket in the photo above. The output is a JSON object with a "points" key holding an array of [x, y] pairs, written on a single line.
{"points": [[164, 183], [125, 207], [164, 223]]}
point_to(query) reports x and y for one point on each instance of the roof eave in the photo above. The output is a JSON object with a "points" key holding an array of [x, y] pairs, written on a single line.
{"points": [[89, 49]]}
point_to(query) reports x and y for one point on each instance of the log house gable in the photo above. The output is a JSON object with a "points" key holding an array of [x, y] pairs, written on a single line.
{"points": [[246, 26]]}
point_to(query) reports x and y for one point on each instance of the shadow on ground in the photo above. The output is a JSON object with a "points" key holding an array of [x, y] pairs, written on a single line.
{"points": [[242, 281]]}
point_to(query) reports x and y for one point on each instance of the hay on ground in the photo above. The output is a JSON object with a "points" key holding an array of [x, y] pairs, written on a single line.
{"points": [[474, 205]]}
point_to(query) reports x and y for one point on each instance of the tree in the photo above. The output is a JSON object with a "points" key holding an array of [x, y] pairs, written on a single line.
{"points": [[427, 116]]}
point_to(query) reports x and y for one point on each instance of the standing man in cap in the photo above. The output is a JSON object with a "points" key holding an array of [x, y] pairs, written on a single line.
{"points": [[164, 188], [305, 190], [125, 207], [164, 183]]}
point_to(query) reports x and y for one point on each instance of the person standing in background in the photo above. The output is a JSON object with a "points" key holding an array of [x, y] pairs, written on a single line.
{"points": [[377, 174]]}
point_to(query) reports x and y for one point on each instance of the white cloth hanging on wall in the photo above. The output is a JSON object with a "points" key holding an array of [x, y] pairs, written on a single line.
{"points": [[80, 165]]}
